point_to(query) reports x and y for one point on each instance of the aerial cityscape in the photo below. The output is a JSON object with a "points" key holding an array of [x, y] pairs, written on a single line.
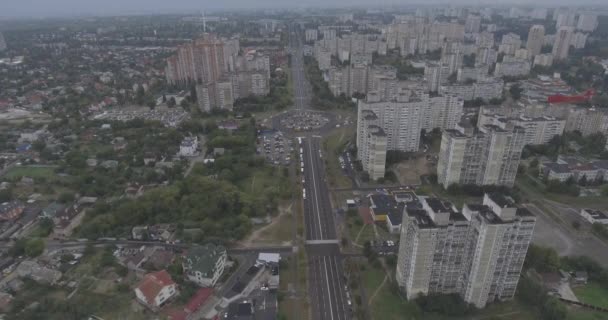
{"points": [[303, 161]]}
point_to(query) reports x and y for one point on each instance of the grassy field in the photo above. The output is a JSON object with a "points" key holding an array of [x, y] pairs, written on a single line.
{"points": [[532, 188], [386, 304], [578, 313], [592, 293], [266, 179], [279, 231], [332, 147], [32, 172]]}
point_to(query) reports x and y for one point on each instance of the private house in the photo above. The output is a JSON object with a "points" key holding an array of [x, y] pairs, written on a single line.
{"points": [[156, 289], [10, 211]]}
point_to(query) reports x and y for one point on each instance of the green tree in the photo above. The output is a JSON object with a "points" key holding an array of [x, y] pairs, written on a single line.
{"points": [[516, 91], [34, 247]]}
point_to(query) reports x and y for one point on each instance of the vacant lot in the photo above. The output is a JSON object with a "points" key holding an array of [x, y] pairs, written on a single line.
{"points": [[409, 171], [32, 172]]}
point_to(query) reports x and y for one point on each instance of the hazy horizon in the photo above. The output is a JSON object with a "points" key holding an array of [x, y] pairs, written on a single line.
{"points": [[66, 8]]}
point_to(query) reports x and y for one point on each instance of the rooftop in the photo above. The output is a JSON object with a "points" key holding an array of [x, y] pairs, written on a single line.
{"points": [[153, 283], [501, 200], [203, 258]]}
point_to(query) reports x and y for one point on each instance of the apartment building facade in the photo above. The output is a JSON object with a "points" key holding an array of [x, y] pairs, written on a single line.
{"points": [[488, 155], [477, 253]]}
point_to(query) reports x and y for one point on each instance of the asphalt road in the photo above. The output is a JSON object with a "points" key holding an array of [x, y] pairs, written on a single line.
{"points": [[326, 274]]}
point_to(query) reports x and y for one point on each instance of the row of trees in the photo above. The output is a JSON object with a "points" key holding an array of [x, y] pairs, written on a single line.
{"points": [[322, 97]]}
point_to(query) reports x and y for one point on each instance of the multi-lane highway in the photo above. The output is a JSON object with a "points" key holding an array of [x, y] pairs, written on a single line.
{"points": [[325, 272], [301, 87]]}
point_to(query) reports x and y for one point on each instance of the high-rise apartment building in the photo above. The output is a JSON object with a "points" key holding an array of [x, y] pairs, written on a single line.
{"points": [[311, 35], [400, 118], [488, 155], [215, 95], [372, 146], [536, 36], [477, 253], [433, 76], [563, 39], [587, 22], [579, 40], [200, 61], [433, 248], [565, 19], [538, 130], [499, 240], [472, 24], [545, 60]]}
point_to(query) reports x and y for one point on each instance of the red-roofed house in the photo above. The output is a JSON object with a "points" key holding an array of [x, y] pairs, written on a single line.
{"points": [[155, 289]]}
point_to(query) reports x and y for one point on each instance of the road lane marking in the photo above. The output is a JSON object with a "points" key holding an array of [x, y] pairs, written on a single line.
{"points": [[314, 186]]}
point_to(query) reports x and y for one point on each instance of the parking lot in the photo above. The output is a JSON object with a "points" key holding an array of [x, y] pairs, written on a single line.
{"points": [[276, 148], [304, 121]]}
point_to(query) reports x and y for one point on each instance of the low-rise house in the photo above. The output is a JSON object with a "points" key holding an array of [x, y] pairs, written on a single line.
{"points": [[52, 210], [594, 216], [188, 147], [578, 169], [156, 289], [66, 220], [109, 164], [157, 232], [11, 211], [5, 301], [381, 205], [204, 265], [32, 270]]}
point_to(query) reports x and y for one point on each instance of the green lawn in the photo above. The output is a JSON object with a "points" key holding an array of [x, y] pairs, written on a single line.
{"points": [[32, 172], [332, 147], [387, 304], [592, 293]]}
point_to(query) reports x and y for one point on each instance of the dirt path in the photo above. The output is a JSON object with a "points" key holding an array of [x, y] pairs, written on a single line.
{"points": [[255, 235], [371, 299], [359, 234]]}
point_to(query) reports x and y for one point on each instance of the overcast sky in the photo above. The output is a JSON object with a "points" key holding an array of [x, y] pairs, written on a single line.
{"points": [[46, 8]]}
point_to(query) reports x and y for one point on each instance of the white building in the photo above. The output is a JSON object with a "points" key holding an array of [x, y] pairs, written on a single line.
{"points": [[476, 73], [587, 22], [477, 253], [501, 236], [373, 146], [536, 36], [545, 60], [488, 155], [538, 130], [156, 289], [204, 265], [565, 19], [594, 216], [563, 40], [311, 35], [472, 24], [512, 68], [579, 40], [400, 119], [486, 89], [189, 146]]}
